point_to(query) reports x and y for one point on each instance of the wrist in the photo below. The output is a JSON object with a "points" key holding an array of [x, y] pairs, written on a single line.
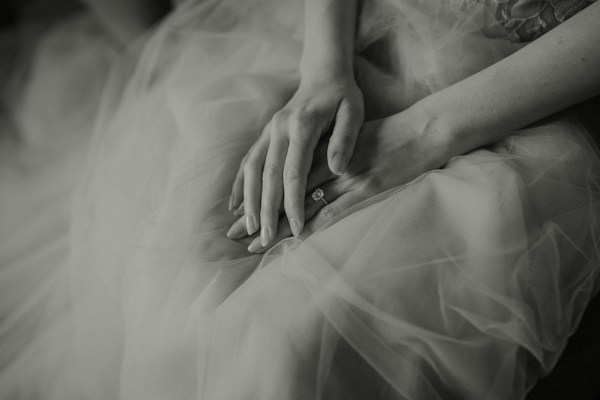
{"points": [[329, 38], [454, 124], [437, 129], [326, 68]]}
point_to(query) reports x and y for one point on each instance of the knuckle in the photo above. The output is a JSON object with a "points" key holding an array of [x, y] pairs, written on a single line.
{"points": [[327, 213], [251, 166], [302, 115], [373, 185], [304, 120], [355, 110], [271, 172], [280, 118], [292, 172], [302, 140]]}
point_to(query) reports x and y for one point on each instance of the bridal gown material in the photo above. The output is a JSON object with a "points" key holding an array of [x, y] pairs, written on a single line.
{"points": [[51, 86], [462, 284]]}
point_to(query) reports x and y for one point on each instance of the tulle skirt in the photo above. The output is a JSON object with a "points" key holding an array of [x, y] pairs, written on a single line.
{"points": [[462, 284]]}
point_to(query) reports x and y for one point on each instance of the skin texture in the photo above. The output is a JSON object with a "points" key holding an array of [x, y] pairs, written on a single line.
{"points": [[275, 170], [511, 94]]}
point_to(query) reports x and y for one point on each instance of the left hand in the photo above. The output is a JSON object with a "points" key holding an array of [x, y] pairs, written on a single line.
{"points": [[390, 152], [277, 166]]}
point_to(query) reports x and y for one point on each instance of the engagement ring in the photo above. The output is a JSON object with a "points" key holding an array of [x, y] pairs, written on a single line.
{"points": [[318, 194]]}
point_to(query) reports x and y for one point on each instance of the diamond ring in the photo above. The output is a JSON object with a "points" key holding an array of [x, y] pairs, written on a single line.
{"points": [[319, 194]]}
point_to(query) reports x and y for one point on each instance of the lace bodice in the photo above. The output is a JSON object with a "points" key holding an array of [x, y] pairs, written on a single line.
{"points": [[526, 20]]}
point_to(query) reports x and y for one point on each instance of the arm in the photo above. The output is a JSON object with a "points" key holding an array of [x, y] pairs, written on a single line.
{"points": [[558, 70], [329, 30], [128, 19]]}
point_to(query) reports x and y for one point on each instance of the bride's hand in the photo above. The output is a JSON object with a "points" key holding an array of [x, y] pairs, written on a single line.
{"points": [[277, 166], [389, 152]]}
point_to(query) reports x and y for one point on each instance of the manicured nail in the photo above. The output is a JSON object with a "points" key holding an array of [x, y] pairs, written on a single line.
{"points": [[296, 227], [255, 246], [239, 211], [265, 236], [338, 163], [251, 224], [237, 231], [231, 202]]}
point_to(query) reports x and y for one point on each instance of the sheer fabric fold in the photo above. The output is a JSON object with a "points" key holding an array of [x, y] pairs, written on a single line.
{"points": [[462, 284]]}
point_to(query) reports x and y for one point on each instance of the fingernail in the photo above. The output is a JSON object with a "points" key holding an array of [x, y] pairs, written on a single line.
{"points": [[255, 246], [230, 232], [236, 231], [339, 163], [251, 224], [239, 211], [296, 227], [265, 236], [230, 203]]}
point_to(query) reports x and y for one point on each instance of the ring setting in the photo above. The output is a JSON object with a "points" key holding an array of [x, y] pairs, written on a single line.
{"points": [[319, 194]]}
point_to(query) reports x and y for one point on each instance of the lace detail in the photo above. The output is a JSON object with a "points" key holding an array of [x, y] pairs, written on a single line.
{"points": [[526, 20]]}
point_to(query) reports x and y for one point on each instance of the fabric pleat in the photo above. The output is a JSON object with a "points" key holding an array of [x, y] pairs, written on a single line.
{"points": [[462, 284]]}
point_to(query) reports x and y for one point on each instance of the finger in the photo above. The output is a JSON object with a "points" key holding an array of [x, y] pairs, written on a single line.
{"points": [[326, 213], [311, 207], [238, 212], [348, 121], [297, 165], [253, 185], [237, 189], [317, 214], [238, 229], [283, 232], [319, 173], [305, 132], [272, 188]]}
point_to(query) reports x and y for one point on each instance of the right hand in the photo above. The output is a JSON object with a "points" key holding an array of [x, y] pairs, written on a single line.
{"points": [[275, 169]]}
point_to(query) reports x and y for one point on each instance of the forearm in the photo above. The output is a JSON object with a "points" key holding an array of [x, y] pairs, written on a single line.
{"points": [[128, 19], [329, 31], [560, 69]]}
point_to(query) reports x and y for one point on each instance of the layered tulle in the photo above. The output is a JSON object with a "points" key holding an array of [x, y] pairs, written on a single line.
{"points": [[53, 79], [464, 283]]}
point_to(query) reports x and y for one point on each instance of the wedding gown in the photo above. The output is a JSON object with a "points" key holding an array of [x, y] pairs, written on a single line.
{"points": [[462, 284]]}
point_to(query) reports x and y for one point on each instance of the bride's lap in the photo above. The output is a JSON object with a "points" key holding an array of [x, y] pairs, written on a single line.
{"points": [[448, 283], [458, 261], [464, 283]]}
